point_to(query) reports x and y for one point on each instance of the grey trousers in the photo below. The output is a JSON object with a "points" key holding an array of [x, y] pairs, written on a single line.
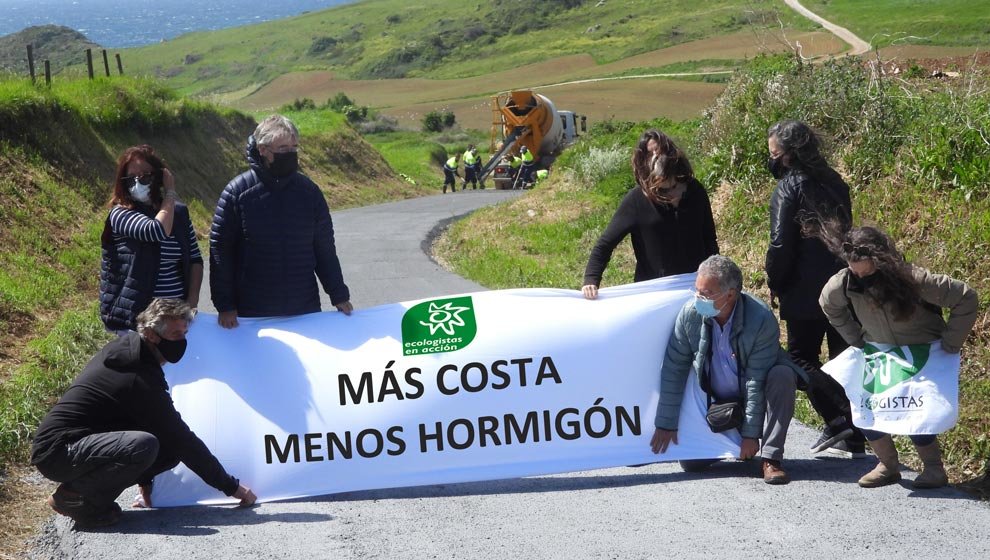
{"points": [[779, 390], [101, 466]]}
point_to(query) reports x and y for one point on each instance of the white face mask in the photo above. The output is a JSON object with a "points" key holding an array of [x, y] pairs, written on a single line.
{"points": [[141, 192]]}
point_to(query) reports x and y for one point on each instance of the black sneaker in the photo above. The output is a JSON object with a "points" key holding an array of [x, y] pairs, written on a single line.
{"points": [[846, 449], [828, 438]]}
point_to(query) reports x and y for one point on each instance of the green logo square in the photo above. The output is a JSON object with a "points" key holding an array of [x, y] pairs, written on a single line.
{"points": [[886, 369], [440, 325]]}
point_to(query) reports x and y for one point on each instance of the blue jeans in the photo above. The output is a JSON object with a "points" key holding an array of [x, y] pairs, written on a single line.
{"points": [[919, 440]]}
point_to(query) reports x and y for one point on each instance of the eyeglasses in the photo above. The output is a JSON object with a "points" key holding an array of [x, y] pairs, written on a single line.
{"points": [[858, 250], [708, 295], [145, 178]]}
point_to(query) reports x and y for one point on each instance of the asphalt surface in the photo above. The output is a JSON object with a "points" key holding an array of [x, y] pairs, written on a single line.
{"points": [[652, 511]]}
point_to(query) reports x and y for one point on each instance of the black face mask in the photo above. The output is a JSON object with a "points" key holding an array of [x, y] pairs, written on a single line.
{"points": [[867, 282], [284, 164], [776, 167], [172, 350]]}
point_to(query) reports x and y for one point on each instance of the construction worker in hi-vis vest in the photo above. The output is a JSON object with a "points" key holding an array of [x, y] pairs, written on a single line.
{"points": [[470, 172], [528, 164], [449, 172]]}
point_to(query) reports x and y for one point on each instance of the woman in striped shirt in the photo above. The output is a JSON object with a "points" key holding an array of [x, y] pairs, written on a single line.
{"points": [[149, 244]]}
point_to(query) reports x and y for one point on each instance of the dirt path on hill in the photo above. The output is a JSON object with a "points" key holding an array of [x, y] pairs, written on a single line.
{"points": [[858, 45]]}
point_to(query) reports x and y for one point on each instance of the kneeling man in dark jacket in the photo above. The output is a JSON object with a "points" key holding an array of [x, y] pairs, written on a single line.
{"points": [[116, 425], [732, 340]]}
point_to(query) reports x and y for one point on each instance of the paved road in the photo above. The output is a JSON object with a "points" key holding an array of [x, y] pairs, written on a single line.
{"points": [[646, 512], [858, 46]]}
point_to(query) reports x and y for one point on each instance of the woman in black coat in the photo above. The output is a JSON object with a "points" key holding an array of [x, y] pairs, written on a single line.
{"points": [[668, 215], [798, 267]]}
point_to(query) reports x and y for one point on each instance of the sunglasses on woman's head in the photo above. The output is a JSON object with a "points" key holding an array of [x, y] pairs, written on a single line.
{"points": [[857, 250]]}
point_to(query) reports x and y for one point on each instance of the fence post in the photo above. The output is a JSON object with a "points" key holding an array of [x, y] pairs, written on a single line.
{"points": [[106, 63], [48, 73], [89, 62], [120, 65], [31, 61]]}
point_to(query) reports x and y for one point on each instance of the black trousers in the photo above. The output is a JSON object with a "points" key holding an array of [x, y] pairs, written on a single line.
{"points": [[804, 344], [101, 466]]}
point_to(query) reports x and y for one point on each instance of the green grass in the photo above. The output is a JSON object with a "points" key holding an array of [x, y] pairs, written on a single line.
{"points": [[410, 154], [926, 22], [51, 362], [311, 122], [915, 153], [419, 156], [438, 39]]}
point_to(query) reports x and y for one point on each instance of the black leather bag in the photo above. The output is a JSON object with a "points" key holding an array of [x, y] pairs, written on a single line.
{"points": [[724, 416]]}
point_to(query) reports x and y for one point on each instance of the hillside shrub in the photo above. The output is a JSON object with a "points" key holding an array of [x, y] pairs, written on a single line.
{"points": [[437, 121], [380, 123], [321, 45], [355, 114], [338, 102], [599, 163], [304, 104]]}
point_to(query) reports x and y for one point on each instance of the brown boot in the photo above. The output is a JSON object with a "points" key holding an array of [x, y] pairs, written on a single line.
{"points": [[887, 471], [933, 474]]}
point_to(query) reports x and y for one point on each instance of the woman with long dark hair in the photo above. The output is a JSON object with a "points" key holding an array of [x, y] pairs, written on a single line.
{"points": [[149, 245], [668, 215], [798, 266], [881, 298]]}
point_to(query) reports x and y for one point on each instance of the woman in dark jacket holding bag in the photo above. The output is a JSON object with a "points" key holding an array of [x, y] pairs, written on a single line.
{"points": [[798, 266], [668, 216], [149, 245]]}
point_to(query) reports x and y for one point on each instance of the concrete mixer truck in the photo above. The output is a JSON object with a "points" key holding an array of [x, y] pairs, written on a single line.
{"points": [[526, 119]]}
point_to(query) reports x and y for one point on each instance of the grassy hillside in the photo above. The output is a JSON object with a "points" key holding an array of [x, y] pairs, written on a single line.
{"points": [[915, 152], [883, 22], [440, 38], [61, 45]]}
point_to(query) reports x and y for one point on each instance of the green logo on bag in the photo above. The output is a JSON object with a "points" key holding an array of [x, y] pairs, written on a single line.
{"points": [[886, 369], [440, 325]]}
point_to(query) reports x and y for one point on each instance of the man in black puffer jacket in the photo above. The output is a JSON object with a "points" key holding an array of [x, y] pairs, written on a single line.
{"points": [[271, 234]]}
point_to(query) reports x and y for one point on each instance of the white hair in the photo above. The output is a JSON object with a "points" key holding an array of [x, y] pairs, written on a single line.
{"points": [[275, 127]]}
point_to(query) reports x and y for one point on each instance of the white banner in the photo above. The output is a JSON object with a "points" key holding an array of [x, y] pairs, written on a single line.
{"points": [[482, 386], [903, 390]]}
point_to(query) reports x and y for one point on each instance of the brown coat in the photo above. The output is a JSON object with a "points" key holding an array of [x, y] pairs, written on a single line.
{"points": [[877, 324]]}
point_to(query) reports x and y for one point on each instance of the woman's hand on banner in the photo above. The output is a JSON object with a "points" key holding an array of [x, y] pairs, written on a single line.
{"points": [[590, 291], [662, 439]]}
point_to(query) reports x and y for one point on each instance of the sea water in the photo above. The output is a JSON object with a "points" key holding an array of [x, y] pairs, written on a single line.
{"points": [[130, 23]]}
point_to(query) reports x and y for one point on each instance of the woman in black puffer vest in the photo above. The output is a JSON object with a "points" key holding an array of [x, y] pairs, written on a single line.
{"points": [[148, 243]]}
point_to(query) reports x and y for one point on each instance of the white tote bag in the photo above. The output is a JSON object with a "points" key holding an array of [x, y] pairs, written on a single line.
{"points": [[903, 390]]}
